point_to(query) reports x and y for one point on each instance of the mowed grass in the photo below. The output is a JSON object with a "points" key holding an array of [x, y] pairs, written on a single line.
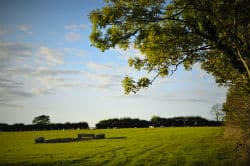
{"points": [[149, 146]]}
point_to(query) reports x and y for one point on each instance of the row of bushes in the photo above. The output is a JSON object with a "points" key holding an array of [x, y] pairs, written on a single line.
{"points": [[115, 123], [156, 122], [122, 123], [183, 121], [50, 126]]}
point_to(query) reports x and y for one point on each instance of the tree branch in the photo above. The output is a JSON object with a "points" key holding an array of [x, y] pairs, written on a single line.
{"points": [[157, 75], [244, 63]]}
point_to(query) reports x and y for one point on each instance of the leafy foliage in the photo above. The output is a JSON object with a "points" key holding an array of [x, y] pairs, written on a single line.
{"points": [[50, 126], [237, 108], [41, 120], [215, 33], [183, 121], [156, 122]]}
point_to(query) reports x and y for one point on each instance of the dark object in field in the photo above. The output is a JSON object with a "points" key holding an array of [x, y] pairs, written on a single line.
{"points": [[40, 140], [100, 136], [80, 137], [56, 140]]}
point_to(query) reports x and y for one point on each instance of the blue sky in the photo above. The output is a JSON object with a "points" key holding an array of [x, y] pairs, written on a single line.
{"points": [[48, 67]]}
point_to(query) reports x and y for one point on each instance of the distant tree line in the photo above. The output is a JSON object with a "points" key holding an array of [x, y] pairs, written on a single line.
{"points": [[122, 123], [156, 121], [42, 122], [183, 121], [50, 126]]}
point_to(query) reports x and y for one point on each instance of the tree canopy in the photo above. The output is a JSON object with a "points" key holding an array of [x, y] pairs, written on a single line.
{"points": [[218, 112], [41, 120], [214, 33], [170, 33]]}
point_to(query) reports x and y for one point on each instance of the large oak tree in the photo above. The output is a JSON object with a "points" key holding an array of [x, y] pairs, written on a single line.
{"points": [[214, 33]]}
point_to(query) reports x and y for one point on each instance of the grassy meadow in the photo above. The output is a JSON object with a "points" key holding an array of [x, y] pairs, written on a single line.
{"points": [[148, 146]]}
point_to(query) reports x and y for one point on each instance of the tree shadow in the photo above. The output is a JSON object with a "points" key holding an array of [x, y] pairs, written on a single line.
{"points": [[116, 138]]}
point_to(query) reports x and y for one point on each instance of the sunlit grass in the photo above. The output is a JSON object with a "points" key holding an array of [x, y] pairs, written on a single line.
{"points": [[156, 146]]}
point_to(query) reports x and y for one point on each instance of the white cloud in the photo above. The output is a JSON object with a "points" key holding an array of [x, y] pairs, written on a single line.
{"points": [[103, 78], [108, 75], [26, 83], [52, 56], [98, 67], [72, 36], [75, 27], [26, 70], [24, 28], [13, 54], [75, 52]]}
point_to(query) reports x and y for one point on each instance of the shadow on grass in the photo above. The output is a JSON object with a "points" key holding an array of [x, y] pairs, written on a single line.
{"points": [[116, 138]]}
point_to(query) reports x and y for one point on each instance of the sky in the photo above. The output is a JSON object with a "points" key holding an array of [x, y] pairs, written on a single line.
{"points": [[48, 66]]}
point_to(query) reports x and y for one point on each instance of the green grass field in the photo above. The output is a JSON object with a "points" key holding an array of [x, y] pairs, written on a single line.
{"points": [[154, 146]]}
